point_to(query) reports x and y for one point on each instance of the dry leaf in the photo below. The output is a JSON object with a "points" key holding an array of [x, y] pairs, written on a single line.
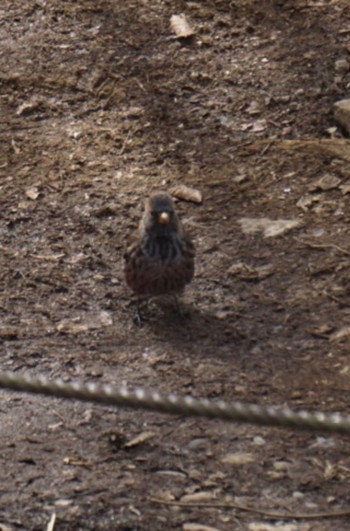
{"points": [[186, 193], [345, 188], [247, 272], [49, 257], [165, 495], [340, 334], [192, 526], [330, 471], [143, 437], [322, 330], [32, 192], [68, 327], [306, 201], [63, 502], [76, 258], [181, 27], [29, 105], [15, 147], [253, 108], [198, 497], [269, 227], [76, 461], [336, 147], [80, 325], [4, 527], [262, 526], [259, 125]]}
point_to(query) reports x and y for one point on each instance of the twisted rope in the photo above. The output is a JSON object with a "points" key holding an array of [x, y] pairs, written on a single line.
{"points": [[175, 405]]}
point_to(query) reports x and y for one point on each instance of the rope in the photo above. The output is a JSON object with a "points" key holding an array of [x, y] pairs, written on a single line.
{"points": [[187, 406]]}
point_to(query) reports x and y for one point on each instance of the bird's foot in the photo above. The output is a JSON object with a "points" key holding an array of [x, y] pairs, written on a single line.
{"points": [[139, 318], [180, 310]]}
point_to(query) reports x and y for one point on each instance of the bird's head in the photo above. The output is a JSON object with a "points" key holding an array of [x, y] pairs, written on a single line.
{"points": [[160, 216]]}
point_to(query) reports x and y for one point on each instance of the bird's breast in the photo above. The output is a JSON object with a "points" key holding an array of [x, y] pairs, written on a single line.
{"points": [[163, 249]]}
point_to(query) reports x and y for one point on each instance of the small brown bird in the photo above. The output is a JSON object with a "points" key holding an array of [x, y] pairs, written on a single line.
{"points": [[161, 259]]}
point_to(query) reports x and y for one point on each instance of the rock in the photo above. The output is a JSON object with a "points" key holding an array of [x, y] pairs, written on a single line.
{"points": [[342, 113], [297, 495], [259, 441], [341, 65], [281, 465], [326, 182], [238, 459]]}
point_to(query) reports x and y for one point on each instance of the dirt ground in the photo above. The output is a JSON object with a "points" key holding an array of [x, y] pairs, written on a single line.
{"points": [[101, 104]]}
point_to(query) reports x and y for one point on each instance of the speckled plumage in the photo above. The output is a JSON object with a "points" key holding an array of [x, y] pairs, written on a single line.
{"points": [[160, 261]]}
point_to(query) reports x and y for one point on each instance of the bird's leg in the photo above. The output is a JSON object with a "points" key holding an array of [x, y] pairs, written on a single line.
{"points": [[139, 317], [179, 308]]}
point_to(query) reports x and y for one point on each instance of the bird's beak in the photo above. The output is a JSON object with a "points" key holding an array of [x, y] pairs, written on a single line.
{"points": [[164, 218]]}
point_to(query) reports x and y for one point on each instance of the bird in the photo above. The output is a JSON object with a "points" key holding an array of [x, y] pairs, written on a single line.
{"points": [[161, 258]]}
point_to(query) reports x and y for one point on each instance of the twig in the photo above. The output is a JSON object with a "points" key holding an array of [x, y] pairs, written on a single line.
{"points": [[323, 246], [266, 148], [246, 508], [51, 524]]}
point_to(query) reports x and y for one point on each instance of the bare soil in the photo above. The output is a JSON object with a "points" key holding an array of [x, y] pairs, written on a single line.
{"points": [[100, 105]]}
